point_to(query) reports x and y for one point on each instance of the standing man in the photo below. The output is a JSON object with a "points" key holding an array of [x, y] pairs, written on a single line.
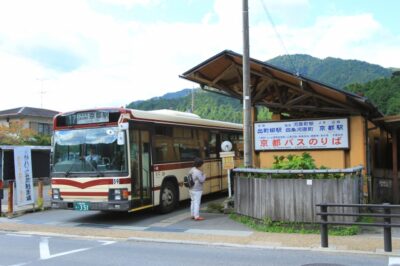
{"points": [[197, 190], [92, 156]]}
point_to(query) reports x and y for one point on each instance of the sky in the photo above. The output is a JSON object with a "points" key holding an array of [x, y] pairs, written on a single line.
{"points": [[69, 55]]}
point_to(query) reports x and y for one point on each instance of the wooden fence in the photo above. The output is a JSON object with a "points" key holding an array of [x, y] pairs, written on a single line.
{"points": [[294, 199]]}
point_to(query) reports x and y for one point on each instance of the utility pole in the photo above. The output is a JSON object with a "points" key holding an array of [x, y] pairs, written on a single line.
{"points": [[247, 126]]}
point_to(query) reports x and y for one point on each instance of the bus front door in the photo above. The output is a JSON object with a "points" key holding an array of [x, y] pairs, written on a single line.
{"points": [[140, 164]]}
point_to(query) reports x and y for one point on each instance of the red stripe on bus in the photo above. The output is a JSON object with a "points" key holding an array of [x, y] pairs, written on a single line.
{"points": [[180, 165], [94, 125], [171, 166], [99, 194], [91, 183], [181, 183]]}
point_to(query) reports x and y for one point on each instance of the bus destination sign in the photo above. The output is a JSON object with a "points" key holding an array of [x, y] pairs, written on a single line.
{"points": [[92, 117]]}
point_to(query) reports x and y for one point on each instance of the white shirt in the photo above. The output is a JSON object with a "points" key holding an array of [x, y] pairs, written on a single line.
{"points": [[93, 157]]}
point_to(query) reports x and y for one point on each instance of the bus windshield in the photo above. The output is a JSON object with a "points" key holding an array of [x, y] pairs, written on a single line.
{"points": [[94, 151]]}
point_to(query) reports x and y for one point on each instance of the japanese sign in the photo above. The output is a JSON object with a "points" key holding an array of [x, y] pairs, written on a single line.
{"points": [[92, 117], [302, 135], [227, 160], [23, 176]]}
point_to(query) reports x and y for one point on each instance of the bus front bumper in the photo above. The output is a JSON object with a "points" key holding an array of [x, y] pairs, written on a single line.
{"points": [[91, 206]]}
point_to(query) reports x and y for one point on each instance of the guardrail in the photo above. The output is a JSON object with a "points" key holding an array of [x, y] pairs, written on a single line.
{"points": [[386, 224]]}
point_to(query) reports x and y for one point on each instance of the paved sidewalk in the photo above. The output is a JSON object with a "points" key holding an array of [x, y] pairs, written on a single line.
{"points": [[371, 243], [217, 229]]}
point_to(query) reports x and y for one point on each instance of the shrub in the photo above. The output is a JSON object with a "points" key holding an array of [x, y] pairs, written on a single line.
{"points": [[299, 162]]}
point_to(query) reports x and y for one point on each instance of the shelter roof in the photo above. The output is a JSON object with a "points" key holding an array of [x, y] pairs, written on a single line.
{"points": [[278, 89], [391, 122]]}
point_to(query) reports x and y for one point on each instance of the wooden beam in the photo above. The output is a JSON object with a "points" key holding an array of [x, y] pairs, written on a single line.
{"points": [[272, 83], [217, 78], [298, 99], [395, 183]]}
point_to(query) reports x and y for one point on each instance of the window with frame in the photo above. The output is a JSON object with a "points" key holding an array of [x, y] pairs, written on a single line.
{"points": [[44, 128], [163, 145], [180, 143], [41, 128]]}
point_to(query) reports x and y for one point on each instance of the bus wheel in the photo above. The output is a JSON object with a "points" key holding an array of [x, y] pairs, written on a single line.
{"points": [[168, 197]]}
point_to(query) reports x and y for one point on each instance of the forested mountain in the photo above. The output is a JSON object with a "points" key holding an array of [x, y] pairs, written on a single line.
{"points": [[384, 91], [206, 105], [331, 71]]}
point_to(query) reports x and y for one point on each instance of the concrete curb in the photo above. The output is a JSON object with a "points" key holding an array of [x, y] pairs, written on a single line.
{"points": [[220, 244], [178, 239], [201, 243]]}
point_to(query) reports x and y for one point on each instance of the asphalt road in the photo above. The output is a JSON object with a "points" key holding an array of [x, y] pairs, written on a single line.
{"points": [[26, 249], [179, 220]]}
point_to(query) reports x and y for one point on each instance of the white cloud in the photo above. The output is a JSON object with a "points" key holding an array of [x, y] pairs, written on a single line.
{"points": [[120, 61], [359, 37]]}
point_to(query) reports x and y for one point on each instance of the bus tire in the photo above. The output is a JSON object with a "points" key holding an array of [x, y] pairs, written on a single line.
{"points": [[168, 197]]}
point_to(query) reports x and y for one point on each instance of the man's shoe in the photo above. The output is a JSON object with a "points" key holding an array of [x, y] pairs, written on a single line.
{"points": [[199, 218]]}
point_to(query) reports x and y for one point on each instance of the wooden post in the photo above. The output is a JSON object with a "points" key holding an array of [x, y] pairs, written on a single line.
{"points": [[10, 198], [40, 195], [324, 226], [387, 229], [395, 184]]}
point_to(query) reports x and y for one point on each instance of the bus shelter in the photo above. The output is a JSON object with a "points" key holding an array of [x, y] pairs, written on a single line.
{"points": [[40, 162], [308, 115]]}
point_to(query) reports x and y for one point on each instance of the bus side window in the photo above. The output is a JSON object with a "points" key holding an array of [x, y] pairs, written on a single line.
{"points": [[212, 144]]}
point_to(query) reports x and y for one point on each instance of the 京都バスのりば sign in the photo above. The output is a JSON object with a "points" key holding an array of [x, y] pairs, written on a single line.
{"points": [[302, 135]]}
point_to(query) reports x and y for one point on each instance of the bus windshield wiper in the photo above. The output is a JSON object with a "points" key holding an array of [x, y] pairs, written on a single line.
{"points": [[70, 168]]}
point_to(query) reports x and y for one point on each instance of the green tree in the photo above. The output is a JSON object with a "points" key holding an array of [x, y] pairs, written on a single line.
{"points": [[17, 134]]}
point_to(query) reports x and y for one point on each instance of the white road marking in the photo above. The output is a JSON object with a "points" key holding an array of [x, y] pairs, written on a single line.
{"points": [[19, 235], [45, 251], [127, 227], [171, 220], [219, 232], [393, 261], [106, 243]]}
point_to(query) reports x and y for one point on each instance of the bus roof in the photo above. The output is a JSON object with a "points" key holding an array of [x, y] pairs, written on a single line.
{"points": [[161, 116], [181, 118]]}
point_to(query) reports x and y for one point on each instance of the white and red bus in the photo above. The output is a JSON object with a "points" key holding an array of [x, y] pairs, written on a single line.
{"points": [[120, 159]]}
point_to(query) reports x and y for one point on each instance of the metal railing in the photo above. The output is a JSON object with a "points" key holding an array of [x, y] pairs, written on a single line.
{"points": [[386, 224]]}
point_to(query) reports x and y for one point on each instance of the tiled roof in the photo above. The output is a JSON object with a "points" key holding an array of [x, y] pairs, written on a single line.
{"points": [[28, 111]]}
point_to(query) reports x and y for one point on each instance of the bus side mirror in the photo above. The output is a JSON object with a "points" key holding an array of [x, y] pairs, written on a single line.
{"points": [[121, 138]]}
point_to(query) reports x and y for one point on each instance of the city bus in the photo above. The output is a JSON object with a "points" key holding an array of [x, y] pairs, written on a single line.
{"points": [[118, 159]]}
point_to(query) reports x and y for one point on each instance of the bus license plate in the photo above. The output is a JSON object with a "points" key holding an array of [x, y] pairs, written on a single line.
{"points": [[81, 206]]}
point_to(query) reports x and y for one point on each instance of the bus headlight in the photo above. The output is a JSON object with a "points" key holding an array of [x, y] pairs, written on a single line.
{"points": [[118, 194], [56, 193]]}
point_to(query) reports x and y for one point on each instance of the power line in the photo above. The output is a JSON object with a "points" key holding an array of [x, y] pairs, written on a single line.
{"points": [[279, 36]]}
